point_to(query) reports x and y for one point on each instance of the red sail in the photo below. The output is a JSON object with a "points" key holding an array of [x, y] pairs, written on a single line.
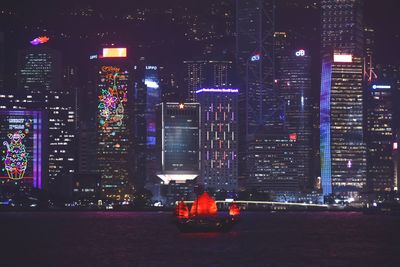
{"points": [[182, 210], [234, 209], [204, 206]]}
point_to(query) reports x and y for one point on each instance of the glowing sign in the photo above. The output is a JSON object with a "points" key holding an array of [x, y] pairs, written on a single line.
{"points": [[181, 106], [114, 52], [151, 67], [256, 57], [112, 99], [300, 53], [342, 58], [93, 57], [381, 86], [293, 137], [395, 145], [40, 40], [151, 84], [217, 90], [16, 159]]}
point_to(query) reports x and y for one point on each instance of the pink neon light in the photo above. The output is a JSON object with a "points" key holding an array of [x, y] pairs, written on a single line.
{"points": [[342, 58]]}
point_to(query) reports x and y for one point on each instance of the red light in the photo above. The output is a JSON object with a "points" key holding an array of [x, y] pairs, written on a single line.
{"points": [[293, 137], [114, 52]]}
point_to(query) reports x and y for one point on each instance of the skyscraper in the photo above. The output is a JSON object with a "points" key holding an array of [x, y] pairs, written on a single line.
{"points": [[219, 139], [342, 146], [114, 124], [294, 82], [255, 64], [207, 74], [380, 138], [178, 141], [39, 75]]}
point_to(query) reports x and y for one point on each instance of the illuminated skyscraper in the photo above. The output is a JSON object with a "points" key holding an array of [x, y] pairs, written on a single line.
{"points": [[294, 82], [114, 134], [219, 139], [342, 147], [178, 141], [380, 138], [207, 73], [39, 75]]}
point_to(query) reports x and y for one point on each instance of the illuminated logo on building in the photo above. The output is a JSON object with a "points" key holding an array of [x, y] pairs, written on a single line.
{"points": [[113, 99], [217, 90], [114, 52], [293, 136], [395, 145], [40, 40], [342, 58], [300, 53], [256, 57], [151, 67]]}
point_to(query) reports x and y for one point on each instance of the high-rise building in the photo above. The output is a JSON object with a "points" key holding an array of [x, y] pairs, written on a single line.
{"points": [[178, 141], [293, 79], [342, 26], [219, 138], [2, 60], [255, 62], [207, 74], [39, 75], [380, 138], [342, 145], [114, 125]]}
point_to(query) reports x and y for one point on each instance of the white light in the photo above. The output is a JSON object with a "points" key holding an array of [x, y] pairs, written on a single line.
{"points": [[300, 53], [342, 58], [381, 86], [176, 177], [151, 84], [151, 67], [255, 57]]}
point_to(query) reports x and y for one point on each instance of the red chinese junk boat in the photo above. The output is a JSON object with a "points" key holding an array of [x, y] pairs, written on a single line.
{"points": [[203, 216]]}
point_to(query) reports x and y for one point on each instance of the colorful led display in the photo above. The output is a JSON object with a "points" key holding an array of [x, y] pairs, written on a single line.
{"points": [[342, 58], [21, 152], [40, 40], [114, 52], [113, 96]]}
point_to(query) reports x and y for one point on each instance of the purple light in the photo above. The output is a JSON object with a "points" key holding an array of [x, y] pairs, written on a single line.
{"points": [[217, 90]]}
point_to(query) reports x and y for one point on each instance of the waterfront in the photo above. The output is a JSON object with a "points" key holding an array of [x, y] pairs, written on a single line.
{"points": [[150, 239]]}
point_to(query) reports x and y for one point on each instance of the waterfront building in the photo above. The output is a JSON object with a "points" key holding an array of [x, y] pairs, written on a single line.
{"points": [[219, 139], [380, 138]]}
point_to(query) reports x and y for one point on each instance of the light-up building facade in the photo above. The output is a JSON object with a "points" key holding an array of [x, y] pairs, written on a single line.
{"points": [[23, 148], [342, 144], [178, 130], [207, 73], [113, 84], [219, 139], [380, 138]]}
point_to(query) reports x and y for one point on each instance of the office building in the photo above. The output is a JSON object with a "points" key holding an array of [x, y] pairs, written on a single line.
{"points": [[219, 138]]}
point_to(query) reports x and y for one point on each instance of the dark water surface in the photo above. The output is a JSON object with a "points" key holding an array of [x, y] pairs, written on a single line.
{"points": [[150, 239]]}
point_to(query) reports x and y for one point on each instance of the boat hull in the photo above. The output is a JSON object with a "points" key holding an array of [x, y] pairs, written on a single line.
{"points": [[206, 225]]}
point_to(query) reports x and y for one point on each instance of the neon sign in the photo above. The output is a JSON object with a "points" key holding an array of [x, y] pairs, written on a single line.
{"points": [[256, 57], [112, 99], [16, 158], [40, 40], [293, 136], [300, 53], [217, 90], [114, 52], [342, 58], [395, 145]]}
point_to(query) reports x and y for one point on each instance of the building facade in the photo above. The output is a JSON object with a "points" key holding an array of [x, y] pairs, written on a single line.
{"points": [[219, 139]]}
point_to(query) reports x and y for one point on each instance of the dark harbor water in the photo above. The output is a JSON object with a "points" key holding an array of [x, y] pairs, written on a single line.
{"points": [[150, 239]]}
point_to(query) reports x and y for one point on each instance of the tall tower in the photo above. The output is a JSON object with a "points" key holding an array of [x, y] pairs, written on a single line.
{"points": [[342, 144], [219, 139], [255, 63], [39, 75], [114, 117]]}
